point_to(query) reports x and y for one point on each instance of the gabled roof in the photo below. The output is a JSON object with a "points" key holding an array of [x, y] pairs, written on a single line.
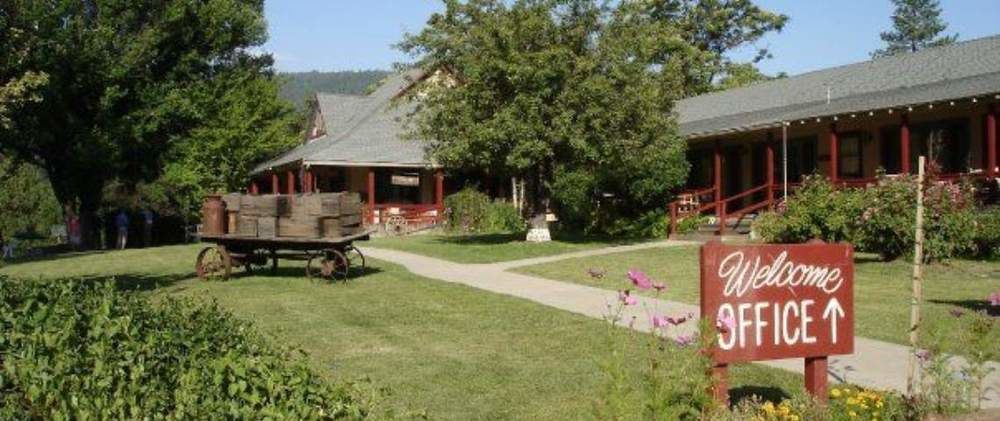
{"points": [[960, 70], [369, 129], [362, 130]]}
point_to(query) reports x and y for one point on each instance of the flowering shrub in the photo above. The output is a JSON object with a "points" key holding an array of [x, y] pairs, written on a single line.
{"points": [[878, 219], [853, 403], [816, 211]]}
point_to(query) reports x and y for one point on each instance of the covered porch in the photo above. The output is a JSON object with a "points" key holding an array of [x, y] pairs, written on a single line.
{"points": [[411, 195], [739, 174]]}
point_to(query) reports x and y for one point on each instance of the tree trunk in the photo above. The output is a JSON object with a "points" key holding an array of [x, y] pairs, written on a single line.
{"points": [[539, 225]]}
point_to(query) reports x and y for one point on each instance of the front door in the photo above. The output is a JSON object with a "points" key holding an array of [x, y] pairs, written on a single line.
{"points": [[732, 176]]}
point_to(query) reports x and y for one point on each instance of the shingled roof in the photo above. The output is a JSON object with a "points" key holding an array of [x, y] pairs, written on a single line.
{"points": [[369, 130], [362, 130], [961, 70]]}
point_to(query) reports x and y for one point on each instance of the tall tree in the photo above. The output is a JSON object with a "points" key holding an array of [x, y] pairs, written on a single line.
{"points": [[916, 24], [120, 79], [244, 121], [574, 96]]}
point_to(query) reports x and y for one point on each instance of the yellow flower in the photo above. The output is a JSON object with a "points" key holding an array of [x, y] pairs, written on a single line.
{"points": [[853, 414], [835, 393]]}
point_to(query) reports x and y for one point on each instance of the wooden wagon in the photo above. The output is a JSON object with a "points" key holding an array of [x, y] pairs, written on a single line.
{"points": [[326, 259]]}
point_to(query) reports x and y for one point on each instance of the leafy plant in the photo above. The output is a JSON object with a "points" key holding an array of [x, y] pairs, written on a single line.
{"points": [[816, 211], [471, 211], [83, 350]]}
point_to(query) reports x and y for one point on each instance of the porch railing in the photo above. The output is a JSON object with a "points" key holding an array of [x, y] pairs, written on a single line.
{"points": [[410, 213], [693, 203]]}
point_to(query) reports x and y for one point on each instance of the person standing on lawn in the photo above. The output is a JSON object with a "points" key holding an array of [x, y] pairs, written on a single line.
{"points": [[3, 248], [147, 232], [121, 221]]}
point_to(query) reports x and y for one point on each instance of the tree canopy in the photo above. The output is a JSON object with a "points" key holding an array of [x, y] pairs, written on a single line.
{"points": [[125, 81], [916, 24], [576, 96]]}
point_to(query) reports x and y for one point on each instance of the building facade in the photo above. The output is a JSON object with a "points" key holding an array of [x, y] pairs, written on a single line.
{"points": [[748, 146]]}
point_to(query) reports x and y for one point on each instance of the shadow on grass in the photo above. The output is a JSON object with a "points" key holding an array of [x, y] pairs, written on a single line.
{"points": [[766, 393], [295, 272], [972, 305], [139, 281], [49, 257]]}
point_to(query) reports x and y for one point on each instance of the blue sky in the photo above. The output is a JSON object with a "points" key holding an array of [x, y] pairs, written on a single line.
{"points": [[358, 34]]}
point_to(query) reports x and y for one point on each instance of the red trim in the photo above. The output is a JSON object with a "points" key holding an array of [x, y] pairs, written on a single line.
{"points": [[275, 185], [291, 181], [439, 189], [991, 142], [371, 194]]}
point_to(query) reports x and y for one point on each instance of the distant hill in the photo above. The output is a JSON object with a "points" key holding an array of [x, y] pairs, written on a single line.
{"points": [[300, 86]]}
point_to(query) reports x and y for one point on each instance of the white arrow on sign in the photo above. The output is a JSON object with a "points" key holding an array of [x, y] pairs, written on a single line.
{"points": [[833, 309]]}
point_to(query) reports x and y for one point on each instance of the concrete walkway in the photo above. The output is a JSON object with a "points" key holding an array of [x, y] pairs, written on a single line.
{"points": [[874, 364]]}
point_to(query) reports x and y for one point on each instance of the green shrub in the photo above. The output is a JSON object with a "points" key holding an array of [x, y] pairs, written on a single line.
{"points": [[82, 350], [652, 224], [471, 211], [986, 241], [816, 211], [504, 217], [573, 198]]}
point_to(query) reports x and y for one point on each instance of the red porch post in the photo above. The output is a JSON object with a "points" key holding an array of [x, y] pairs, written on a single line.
{"points": [[371, 195], [275, 186], [720, 206], [834, 153], [254, 189], [439, 189], [291, 182], [991, 142], [769, 167], [904, 145], [308, 182]]}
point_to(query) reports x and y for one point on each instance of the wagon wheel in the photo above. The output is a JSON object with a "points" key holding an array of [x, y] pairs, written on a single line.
{"points": [[214, 263], [330, 265], [355, 257]]}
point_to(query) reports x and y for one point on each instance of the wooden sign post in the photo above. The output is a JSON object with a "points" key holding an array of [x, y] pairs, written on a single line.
{"points": [[778, 301]]}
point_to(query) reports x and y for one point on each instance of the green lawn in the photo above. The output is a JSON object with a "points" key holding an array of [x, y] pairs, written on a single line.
{"points": [[882, 290], [454, 351], [488, 248]]}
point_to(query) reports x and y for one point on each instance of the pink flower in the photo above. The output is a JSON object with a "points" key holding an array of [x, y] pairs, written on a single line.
{"points": [[923, 355], [639, 279], [725, 324], [659, 286], [659, 321], [684, 340], [626, 298], [995, 299]]}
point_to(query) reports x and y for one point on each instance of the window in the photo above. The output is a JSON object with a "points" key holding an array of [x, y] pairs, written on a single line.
{"points": [[849, 160], [890, 150], [396, 187], [945, 143], [801, 159]]}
